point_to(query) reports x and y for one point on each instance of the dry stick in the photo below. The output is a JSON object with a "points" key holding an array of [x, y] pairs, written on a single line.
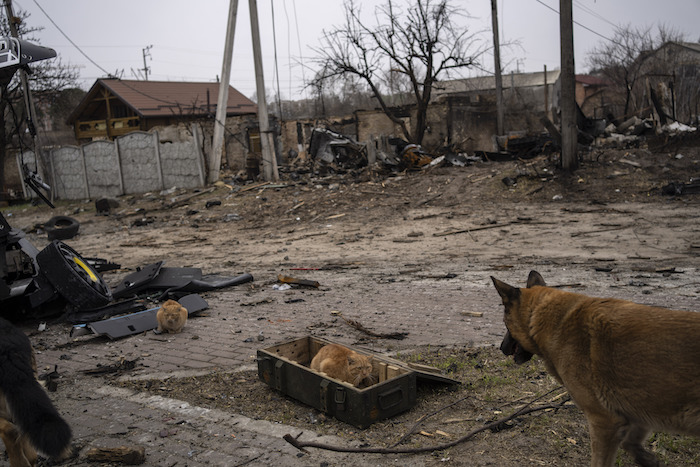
{"points": [[424, 418], [310, 444], [473, 229], [357, 325]]}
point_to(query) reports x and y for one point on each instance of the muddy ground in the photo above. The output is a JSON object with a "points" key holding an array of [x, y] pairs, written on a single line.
{"points": [[412, 253]]}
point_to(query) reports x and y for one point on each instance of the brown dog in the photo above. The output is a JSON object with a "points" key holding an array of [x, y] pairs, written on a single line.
{"points": [[28, 419], [632, 369]]}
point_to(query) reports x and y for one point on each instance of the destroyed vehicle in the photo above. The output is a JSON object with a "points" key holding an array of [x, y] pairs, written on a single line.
{"points": [[409, 155], [332, 148], [32, 279], [35, 282]]}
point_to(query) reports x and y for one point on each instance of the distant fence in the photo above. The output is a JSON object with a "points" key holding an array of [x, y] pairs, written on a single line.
{"points": [[135, 163]]}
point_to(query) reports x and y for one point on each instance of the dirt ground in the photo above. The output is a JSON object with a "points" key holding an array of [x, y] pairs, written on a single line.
{"points": [[393, 251]]}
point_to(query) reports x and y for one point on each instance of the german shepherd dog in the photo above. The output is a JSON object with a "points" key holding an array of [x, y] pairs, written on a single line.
{"points": [[632, 369], [28, 420]]}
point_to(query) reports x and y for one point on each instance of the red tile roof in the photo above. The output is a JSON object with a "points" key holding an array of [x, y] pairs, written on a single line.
{"points": [[590, 80], [169, 98]]}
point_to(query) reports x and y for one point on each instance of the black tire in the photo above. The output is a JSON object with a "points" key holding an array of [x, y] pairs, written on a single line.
{"points": [[73, 277], [61, 228]]}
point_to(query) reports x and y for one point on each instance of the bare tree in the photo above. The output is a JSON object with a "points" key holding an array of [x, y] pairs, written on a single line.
{"points": [[47, 79], [414, 46], [623, 59]]}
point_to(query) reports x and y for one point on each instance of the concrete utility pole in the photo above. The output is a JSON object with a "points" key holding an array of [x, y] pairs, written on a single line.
{"points": [[221, 103], [266, 141], [569, 133], [497, 68]]}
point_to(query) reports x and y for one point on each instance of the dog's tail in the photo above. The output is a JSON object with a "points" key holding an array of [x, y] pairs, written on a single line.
{"points": [[30, 406]]}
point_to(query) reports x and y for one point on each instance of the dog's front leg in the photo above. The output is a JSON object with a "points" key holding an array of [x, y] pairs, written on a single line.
{"points": [[605, 439]]}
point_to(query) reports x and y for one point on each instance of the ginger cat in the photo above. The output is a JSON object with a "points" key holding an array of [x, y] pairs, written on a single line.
{"points": [[171, 317], [344, 364]]}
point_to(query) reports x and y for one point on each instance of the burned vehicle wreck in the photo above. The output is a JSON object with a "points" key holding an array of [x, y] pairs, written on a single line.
{"points": [[33, 279], [39, 281]]}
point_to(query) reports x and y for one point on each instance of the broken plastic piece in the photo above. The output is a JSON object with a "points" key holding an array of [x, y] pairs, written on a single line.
{"points": [[154, 277], [135, 323]]}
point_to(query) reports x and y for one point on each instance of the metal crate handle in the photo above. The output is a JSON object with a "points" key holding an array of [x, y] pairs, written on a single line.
{"points": [[390, 398]]}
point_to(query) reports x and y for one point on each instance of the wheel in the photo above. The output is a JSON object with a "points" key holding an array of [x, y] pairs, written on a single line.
{"points": [[61, 228], [73, 277]]}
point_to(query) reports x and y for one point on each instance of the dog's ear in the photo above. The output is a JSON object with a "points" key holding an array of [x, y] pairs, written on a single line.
{"points": [[535, 279], [508, 293]]}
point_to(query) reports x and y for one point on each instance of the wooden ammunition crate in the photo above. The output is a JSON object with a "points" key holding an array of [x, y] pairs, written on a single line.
{"points": [[285, 367]]}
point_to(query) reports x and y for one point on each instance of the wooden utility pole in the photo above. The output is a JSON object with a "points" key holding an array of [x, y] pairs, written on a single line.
{"points": [[569, 134], [497, 68], [222, 101], [266, 140], [146, 53]]}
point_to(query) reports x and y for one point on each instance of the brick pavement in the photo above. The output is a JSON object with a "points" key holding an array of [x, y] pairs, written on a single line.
{"points": [[225, 337]]}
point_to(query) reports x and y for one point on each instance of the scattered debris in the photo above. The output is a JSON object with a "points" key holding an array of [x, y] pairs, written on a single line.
{"points": [[334, 149], [122, 454], [678, 188], [473, 314], [104, 206], [119, 367], [61, 228], [303, 282], [155, 277], [392, 335], [135, 323], [258, 302]]}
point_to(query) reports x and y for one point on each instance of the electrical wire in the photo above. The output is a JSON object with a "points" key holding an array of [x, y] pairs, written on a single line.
{"points": [[70, 40], [594, 13], [289, 47], [301, 57], [274, 45], [124, 83], [578, 24]]}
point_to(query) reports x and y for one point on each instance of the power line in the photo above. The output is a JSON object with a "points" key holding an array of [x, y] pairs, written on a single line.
{"points": [[577, 23], [594, 13], [70, 40], [301, 57]]}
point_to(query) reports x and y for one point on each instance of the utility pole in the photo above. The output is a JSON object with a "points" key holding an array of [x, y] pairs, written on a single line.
{"points": [[268, 148], [222, 101], [146, 53], [41, 165], [569, 133], [497, 68]]}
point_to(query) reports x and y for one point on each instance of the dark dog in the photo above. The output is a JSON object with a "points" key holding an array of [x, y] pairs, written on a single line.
{"points": [[28, 420], [632, 369]]}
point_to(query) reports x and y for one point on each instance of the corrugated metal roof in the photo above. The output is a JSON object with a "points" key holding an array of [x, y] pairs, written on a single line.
{"points": [[484, 83], [151, 99]]}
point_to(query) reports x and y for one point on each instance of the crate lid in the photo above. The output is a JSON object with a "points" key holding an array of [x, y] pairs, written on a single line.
{"points": [[429, 373], [424, 372]]}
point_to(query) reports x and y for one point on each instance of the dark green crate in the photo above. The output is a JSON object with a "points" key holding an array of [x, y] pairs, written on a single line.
{"points": [[285, 367]]}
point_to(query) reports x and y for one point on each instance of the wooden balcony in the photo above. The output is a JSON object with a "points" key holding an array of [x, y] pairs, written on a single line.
{"points": [[106, 129]]}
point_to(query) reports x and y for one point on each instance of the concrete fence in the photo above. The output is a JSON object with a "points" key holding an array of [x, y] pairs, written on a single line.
{"points": [[135, 163]]}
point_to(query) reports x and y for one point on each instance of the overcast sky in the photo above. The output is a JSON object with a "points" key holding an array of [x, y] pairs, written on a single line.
{"points": [[187, 37]]}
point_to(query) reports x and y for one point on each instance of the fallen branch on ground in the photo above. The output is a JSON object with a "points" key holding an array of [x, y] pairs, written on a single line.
{"points": [[301, 445], [360, 327]]}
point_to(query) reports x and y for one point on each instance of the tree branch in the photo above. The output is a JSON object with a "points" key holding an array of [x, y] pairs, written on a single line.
{"points": [[525, 410]]}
